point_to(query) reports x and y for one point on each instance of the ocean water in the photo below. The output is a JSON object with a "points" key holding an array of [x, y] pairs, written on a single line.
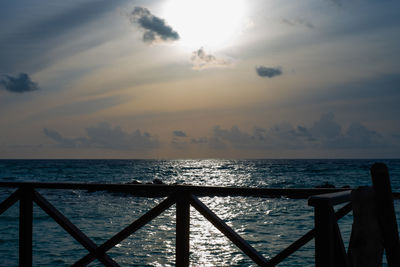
{"points": [[269, 225]]}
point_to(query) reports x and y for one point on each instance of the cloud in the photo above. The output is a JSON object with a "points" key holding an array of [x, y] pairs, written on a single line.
{"points": [[356, 136], [179, 133], [155, 28], [268, 72], [201, 60], [279, 136], [18, 84], [65, 142], [326, 127], [299, 21], [324, 134], [105, 136]]}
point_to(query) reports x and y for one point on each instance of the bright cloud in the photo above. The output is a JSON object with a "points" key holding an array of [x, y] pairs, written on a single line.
{"points": [[201, 60]]}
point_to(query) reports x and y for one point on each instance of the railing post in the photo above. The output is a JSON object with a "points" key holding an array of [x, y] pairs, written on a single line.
{"points": [[366, 241], [329, 247], [25, 226], [324, 244], [386, 213], [182, 228]]}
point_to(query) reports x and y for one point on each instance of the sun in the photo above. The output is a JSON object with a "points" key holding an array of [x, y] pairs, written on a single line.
{"points": [[213, 24]]}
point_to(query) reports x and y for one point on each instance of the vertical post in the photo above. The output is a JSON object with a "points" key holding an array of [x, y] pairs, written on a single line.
{"points": [[25, 226], [324, 239], [386, 213], [182, 229], [366, 242]]}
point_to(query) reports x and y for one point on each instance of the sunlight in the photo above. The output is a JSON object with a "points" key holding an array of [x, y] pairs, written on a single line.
{"points": [[206, 23]]}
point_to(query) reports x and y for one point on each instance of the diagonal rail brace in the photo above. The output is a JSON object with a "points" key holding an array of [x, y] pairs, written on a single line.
{"points": [[306, 238], [127, 231], [228, 232], [8, 202], [74, 231]]}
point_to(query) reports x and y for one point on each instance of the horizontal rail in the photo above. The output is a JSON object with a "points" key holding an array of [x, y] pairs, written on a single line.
{"points": [[330, 199], [157, 190]]}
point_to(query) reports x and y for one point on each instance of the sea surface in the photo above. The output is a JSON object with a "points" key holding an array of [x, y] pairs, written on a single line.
{"points": [[268, 224]]}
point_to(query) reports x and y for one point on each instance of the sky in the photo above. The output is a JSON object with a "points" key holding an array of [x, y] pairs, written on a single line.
{"points": [[199, 79]]}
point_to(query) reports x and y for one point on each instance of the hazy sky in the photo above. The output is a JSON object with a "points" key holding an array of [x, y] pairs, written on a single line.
{"points": [[200, 78]]}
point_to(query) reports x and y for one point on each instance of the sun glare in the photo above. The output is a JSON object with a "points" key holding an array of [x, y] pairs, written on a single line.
{"points": [[206, 23]]}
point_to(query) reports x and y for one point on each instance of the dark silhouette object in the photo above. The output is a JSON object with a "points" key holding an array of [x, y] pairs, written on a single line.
{"points": [[366, 242], [157, 181], [386, 213], [325, 185], [133, 182], [329, 247], [374, 228]]}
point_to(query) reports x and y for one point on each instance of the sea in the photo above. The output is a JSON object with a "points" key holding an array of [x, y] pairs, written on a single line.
{"points": [[268, 224]]}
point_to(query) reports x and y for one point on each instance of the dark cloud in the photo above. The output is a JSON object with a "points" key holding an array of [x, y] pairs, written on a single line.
{"points": [[179, 133], [201, 60], [268, 72], [299, 21], [105, 136], [326, 127], [18, 84], [65, 142], [155, 28], [324, 134], [356, 136]]}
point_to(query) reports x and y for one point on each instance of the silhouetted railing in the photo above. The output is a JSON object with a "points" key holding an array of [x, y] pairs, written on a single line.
{"points": [[376, 228], [329, 247], [183, 196]]}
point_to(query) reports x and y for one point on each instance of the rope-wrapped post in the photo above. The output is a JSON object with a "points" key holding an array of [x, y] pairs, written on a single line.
{"points": [[386, 213]]}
